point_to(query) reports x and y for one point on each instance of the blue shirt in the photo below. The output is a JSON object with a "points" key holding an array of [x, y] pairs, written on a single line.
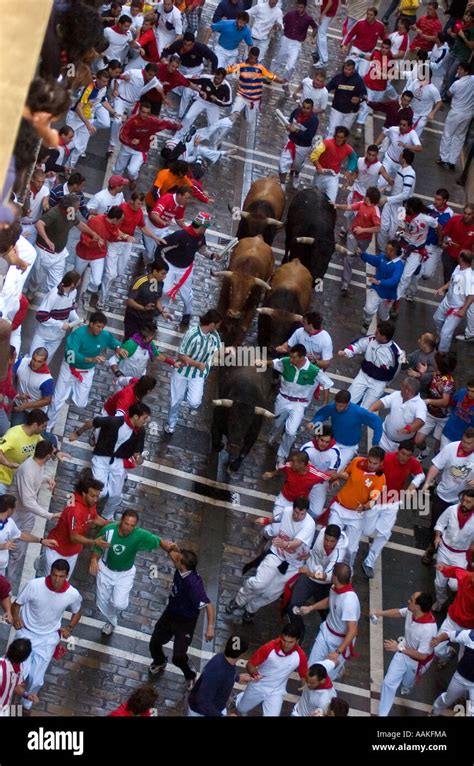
{"points": [[230, 35], [187, 595], [304, 137], [442, 218], [388, 272], [347, 425], [212, 689], [461, 417]]}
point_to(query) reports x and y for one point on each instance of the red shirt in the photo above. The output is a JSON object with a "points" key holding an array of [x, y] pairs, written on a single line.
{"points": [[428, 27], [397, 474], [377, 76], [168, 209], [462, 608], [122, 400], [142, 130], [5, 588], [78, 518], [300, 485], [170, 80], [90, 250], [147, 41], [334, 156], [333, 9], [364, 35], [131, 219], [367, 217], [123, 711], [461, 233], [7, 391]]}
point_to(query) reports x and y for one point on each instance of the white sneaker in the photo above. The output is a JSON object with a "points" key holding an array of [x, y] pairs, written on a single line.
{"points": [[168, 429], [404, 691], [295, 182], [465, 338], [437, 606], [107, 629], [100, 305], [280, 463]]}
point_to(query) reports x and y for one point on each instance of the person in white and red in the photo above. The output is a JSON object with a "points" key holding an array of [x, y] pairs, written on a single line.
{"points": [[168, 208], [11, 674], [337, 634], [318, 691], [292, 533], [37, 614], [376, 80], [362, 39], [412, 654], [5, 599], [454, 534], [460, 613], [300, 478], [129, 87], [135, 138], [270, 668], [328, 12]]}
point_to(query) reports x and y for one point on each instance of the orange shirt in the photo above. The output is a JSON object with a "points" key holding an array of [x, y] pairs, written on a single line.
{"points": [[361, 486], [166, 180]]}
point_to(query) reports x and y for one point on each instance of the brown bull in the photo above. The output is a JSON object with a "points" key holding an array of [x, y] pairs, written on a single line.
{"points": [[262, 210], [289, 299]]}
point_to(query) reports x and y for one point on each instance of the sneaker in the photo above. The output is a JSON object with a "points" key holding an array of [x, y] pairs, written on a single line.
{"points": [[344, 292], [100, 305], [283, 188], [168, 429], [366, 324], [316, 59], [404, 691], [469, 339], [395, 310], [190, 683], [342, 233], [368, 571], [409, 298], [186, 318], [107, 629], [231, 607], [358, 130], [86, 301], [280, 463], [443, 661], [229, 152], [440, 162], [190, 134], [451, 166], [156, 667], [424, 454], [437, 606], [295, 181], [427, 558], [286, 89], [247, 617]]}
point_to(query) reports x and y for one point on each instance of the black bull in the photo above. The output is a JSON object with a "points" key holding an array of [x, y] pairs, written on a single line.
{"points": [[312, 217]]}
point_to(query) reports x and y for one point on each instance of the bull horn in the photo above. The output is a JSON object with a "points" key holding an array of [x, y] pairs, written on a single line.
{"points": [[305, 240], [260, 283], [295, 317], [343, 250], [244, 214], [223, 402], [222, 273], [264, 412], [275, 222], [266, 310]]}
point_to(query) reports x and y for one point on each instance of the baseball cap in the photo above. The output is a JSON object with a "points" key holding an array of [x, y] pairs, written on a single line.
{"points": [[202, 219], [118, 181]]}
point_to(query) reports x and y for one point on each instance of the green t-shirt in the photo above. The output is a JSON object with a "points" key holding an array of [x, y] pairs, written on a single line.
{"points": [[123, 549], [460, 50]]}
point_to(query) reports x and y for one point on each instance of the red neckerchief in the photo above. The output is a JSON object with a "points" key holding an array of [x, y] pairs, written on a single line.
{"points": [[326, 684], [280, 651], [463, 518], [314, 332], [460, 452], [119, 31], [300, 117], [405, 132], [442, 208], [130, 425], [317, 87], [42, 370], [410, 216], [368, 164], [428, 617], [343, 589], [49, 584], [191, 230], [363, 465], [331, 444], [326, 551]]}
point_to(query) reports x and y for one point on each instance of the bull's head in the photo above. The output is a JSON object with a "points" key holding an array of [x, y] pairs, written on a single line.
{"points": [[240, 288], [286, 315], [241, 419]]}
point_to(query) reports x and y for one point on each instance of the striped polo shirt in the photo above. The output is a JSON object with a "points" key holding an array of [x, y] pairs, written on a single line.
{"points": [[200, 347], [250, 79], [10, 677]]}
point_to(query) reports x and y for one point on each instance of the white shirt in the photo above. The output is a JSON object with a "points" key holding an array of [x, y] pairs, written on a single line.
{"points": [[15, 280], [263, 18], [9, 532], [367, 175], [317, 346], [321, 561], [397, 42], [456, 471], [277, 667], [26, 486], [424, 98], [416, 231], [9, 679], [393, 139], [104, 200], [131, 90], [133, 366], [404, 186], [402, 414], [118, 43], [42, 609], [298, 390], [461, 285], [289, 529], [35, 205], [462, 91], [164, 35], [418, 635], [319, 96], [313, 700], [324, 460], [452, 534], [343, 608]]}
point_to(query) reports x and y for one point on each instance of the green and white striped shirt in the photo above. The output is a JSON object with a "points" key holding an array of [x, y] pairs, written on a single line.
{"points": [[200, 347]]}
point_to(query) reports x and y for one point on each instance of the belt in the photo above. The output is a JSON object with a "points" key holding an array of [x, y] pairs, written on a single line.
{"points": [[391, 158], [453, 550], [294, 398], [334, 632], [124, 99]]}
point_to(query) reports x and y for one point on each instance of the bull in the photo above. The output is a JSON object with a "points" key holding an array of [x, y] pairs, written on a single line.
{"points": [[284, 306], [262, 210], [250, 266], [310, 231], [240, 411]]}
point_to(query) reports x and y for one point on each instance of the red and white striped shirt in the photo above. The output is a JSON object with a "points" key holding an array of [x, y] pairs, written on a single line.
{"points": [[10, 677]]}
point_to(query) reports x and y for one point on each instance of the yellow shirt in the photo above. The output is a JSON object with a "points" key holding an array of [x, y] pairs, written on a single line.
{"points": [[17, 446], [409, 7]]}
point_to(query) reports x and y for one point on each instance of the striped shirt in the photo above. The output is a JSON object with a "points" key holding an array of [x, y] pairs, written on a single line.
{"points": [[251, 76], [10, 677], [200, 347]]}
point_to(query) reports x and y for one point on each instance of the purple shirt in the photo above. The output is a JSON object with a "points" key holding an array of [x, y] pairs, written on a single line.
{"points": [[296, 26], [187, 595]]}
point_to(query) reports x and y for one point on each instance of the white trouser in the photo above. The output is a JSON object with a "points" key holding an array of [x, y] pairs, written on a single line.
{"points": [[288, 416], [374, 304], [50, 344], [112, 474], [337, 119], [325, 643], [262, 45], [29, 232], [362, 65], [100, 119], [323, 28], [148, 242], [389, 223], [429, 267], [347, 453], [449, 559], [442, 650], [225, 57], [469, 332], [454, 135], [15, 339], [265, 586], [130, 160], [259, 692], [459, 687], [281, 504], [365, 390], [116, 261], [69, 386], [48, 270], [380, 521], [184, 389], [251, 108], [401, 672], [25, 522], [199, 105], [192, 714], [419, 124], [113, 591], [317, 500], [411, 264], [433, 426], [445, 323], [185, 291], [327, 183], [96, 269], [364, 111], [51, 555], [287, 162], [35, 667], [287, 56], [391, 166], [388, 444], [186, 93], [121, 107], [352, 523]]}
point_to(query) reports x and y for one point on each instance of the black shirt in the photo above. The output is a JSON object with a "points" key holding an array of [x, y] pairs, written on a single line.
{"points": [[144, 290], [109, 434], [222, 92], [180, 248], [194, 57]]}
